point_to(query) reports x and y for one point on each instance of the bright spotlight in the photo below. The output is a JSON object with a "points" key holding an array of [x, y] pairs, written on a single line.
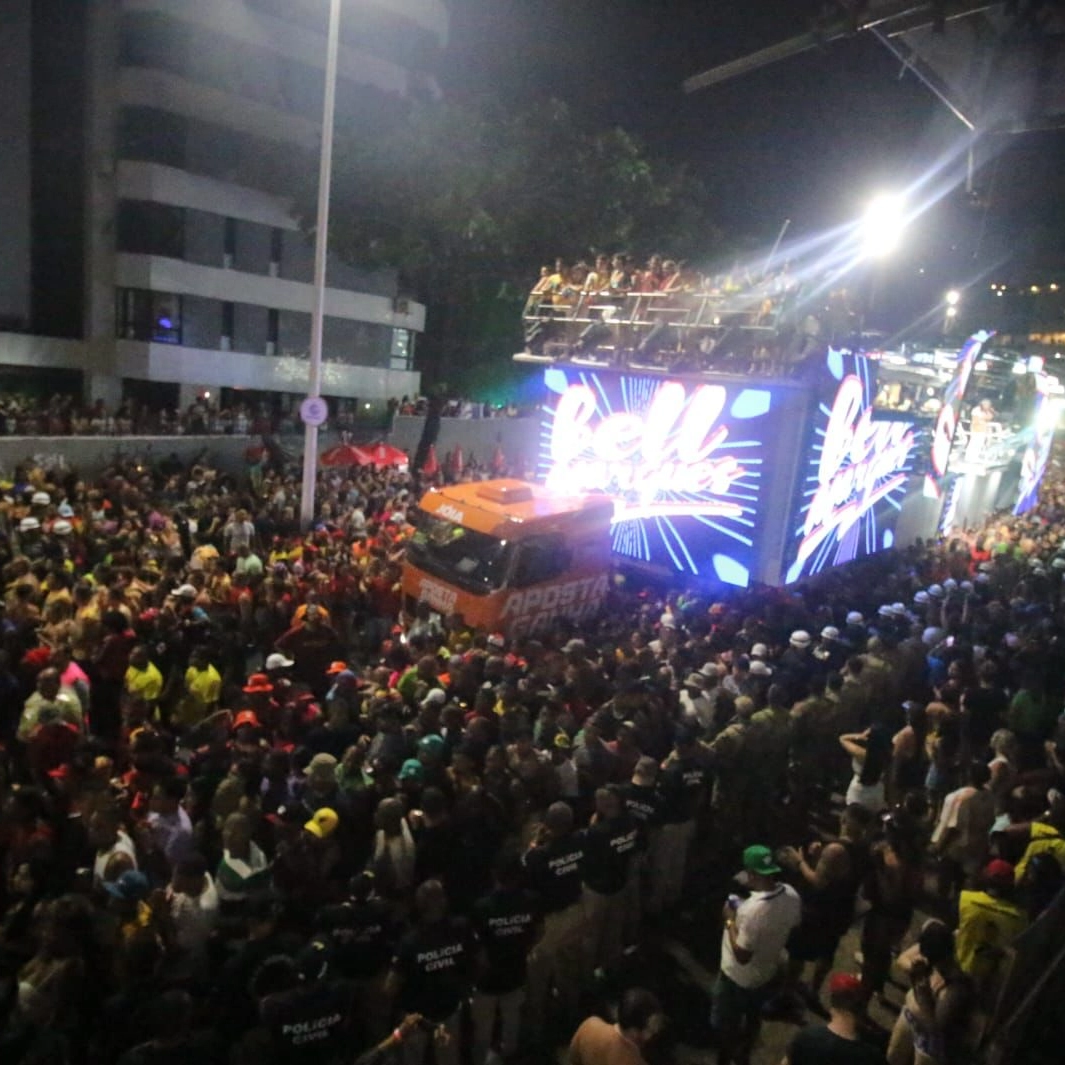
{"points": [[952, 311], [882, 225], [953, 296]]}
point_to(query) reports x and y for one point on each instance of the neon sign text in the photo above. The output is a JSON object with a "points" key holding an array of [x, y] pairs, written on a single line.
{"points": [[861, 462], [667, 448]]}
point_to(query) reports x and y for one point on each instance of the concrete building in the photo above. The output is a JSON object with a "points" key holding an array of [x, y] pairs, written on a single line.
{"points": [[149, 152]]}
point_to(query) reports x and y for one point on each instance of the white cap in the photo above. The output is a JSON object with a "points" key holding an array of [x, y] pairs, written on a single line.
{"points": [[29, 525], [950, 584], [278, 661], [667, 621], [66, 510], [759, 650], [800, 638], [62, 528], [40, 499], [830, 632], [921, 597], [966, 586], [885, 611], [855, 618], [435, 697], [936, 591], [185, 591], [898, 609], [931, 636], [760, 669]]}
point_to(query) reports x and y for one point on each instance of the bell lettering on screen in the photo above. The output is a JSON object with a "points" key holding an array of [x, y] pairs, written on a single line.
{"points": [[674, 446]]}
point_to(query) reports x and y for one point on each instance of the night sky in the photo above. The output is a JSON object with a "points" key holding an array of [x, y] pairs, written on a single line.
{"points": [[811, 138]]}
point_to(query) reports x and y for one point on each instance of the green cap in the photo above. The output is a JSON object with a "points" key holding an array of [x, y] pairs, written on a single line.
{"points": [[759, 859]]}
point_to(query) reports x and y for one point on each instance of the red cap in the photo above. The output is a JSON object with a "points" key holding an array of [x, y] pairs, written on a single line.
{"points": [[61, 772], [843, 984], [999, 873], [246, 717], [258, 683], [335, 668]]}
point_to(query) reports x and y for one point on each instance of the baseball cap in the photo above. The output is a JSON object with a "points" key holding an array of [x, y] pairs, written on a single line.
{"points": [[844, 984], [324, 823], [855, 617], [412, 769], [562, 741], [40, 499], [800, 638], [497, 640], [760, 669], [759, 650], [246, 717], [321, 764], [921, 598], [185, 591], [758, 858], [431, 743], [999, 873], [29, 525], [435, 697], [62, 528], [573, 646], [131, 886], [935, 591], [278, 661], [830, 632], [336, 667], [695, 680], [66, 510]]}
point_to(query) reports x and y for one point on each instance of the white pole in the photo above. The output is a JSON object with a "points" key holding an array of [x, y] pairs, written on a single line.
{"points": [[321, 246]]}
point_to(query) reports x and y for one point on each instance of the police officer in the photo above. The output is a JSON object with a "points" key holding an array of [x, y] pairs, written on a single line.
{"points": [[682, 783], [507, 923], [431, 974], [306, 1010], [362, 935], [610, 842], [553, 869], [643, 801]]}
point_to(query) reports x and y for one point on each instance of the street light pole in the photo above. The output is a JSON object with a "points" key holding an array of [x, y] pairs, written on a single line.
{"points": [[321, 247]]}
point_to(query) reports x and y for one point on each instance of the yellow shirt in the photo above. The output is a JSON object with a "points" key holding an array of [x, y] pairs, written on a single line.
{"points": [[986, 927], [203, 688], [146, 684]]}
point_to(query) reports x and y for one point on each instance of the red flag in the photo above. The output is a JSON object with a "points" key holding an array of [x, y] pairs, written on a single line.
{"points": [[431, 467], [456, 463]]}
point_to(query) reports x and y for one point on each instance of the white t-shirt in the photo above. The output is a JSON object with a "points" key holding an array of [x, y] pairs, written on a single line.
{"points": [[763, 923], [123, 845]]}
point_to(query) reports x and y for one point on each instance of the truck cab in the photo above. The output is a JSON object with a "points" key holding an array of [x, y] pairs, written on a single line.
{"points": [[509, 556]]}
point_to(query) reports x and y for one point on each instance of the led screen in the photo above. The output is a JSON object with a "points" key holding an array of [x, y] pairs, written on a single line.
{"points": [[947, 421], [1037, 452], [684, 459], [854, 472]]}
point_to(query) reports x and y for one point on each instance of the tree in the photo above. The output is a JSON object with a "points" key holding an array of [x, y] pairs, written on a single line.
{"points": [[467, 201]]}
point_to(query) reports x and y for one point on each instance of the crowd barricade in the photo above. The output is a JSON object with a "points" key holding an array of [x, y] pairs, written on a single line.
{"points": [[656, 327]]}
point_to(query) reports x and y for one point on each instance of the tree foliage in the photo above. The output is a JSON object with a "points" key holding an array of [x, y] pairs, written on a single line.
{"points": [[467, 201]]}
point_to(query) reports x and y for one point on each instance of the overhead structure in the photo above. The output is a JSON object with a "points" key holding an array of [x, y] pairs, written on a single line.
{"points": [[999, 67]]}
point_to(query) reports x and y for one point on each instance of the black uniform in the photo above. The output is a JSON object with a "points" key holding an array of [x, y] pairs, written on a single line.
{"points": [[506, 925], [310, 1023], [608, 849], [361, 935], [554, 871], [435, 963]]}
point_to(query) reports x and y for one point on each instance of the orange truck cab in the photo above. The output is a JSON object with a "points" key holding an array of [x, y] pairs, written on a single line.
{"points": [[509, 556]]}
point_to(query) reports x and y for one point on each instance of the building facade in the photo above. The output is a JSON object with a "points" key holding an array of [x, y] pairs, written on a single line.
{"points": [[152, 150]]}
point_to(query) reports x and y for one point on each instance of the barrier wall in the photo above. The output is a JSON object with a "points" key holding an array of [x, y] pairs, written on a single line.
{"points": [[90, 454]]}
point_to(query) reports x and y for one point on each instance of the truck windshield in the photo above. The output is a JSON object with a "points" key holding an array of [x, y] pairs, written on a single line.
{"points": [[472, 560]]}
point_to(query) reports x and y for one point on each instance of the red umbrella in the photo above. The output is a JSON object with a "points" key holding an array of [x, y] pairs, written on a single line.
{"points": [[342, 455], [431, 467], [382, 455], [499, 460]]}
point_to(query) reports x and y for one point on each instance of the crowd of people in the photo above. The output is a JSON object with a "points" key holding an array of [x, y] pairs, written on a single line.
{"points": [[258, 808], [667, 315], [65, 415]]}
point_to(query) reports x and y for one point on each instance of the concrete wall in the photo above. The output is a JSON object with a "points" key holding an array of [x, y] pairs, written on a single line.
{"points": [[15, 161], [89, 455], [518, 437]]}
